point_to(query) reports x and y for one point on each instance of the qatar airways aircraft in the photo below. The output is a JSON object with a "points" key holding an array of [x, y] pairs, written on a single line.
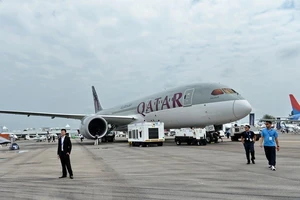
{"points": [[194, 105]]}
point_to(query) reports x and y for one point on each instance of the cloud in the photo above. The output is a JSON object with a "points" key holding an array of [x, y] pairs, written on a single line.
{"points": [[51, 52], [290, 4]]}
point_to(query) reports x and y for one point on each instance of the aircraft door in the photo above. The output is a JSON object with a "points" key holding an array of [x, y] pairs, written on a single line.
{"points": [[188, 97]]}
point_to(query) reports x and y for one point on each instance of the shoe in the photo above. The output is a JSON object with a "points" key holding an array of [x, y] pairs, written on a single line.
{"points": [[248, 162], [71, 177], [270, 166], [63, 177], [253, 162], [273, 168]]}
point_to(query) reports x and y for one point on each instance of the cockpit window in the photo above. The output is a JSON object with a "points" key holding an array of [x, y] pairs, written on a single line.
{"points": [[228, 91], [217, 92]]}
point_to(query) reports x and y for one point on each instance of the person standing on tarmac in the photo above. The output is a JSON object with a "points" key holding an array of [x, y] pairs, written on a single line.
{"points": [[48, 136], [81, 136], [270, 138], [63, 152], [248, 139]]}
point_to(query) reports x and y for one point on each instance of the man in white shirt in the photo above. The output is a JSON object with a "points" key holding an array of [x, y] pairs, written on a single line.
{"points": [[63, 152]]}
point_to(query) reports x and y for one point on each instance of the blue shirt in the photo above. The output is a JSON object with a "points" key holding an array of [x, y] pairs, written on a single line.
{"points": [[269, 136]]}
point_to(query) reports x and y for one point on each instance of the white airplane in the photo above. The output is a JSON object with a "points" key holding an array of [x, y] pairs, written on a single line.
{"points": [[37, 138], [289, 127], [194, 105]]}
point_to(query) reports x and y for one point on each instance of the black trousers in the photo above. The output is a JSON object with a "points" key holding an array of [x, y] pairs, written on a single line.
{"points": [[249, 148], [271, 154], [65, 164]]}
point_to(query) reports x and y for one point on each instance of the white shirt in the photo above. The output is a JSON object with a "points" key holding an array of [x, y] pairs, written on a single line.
{"points": [[62, 143]]}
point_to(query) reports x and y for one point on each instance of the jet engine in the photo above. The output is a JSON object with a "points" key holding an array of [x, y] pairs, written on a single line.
{"points": [[93, 126]]}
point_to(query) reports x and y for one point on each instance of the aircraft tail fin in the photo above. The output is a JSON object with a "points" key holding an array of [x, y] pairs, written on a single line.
{"points": [[97, 104], [295, 105]]}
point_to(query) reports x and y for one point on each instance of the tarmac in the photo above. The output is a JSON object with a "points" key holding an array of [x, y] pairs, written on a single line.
{"points": [[117, 171]]}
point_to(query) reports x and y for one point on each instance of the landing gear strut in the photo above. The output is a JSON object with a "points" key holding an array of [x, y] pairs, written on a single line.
{"points": [[109, 136]]}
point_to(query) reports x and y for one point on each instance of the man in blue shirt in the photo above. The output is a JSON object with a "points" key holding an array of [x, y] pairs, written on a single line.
{"points": [[270, 138]]}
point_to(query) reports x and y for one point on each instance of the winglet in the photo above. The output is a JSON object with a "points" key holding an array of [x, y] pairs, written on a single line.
{"points": [[97, 104], [295, 105]]}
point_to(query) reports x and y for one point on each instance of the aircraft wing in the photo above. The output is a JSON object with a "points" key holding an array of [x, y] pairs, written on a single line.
{"points": [[111, 119], [280, 120], [118, 120], [45, 114]]}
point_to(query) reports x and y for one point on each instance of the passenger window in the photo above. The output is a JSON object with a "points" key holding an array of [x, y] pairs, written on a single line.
{"points": [[129, 134], [217, 92], [140, 134]]}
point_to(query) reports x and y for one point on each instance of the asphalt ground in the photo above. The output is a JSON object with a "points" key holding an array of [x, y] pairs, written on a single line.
{"points": [[117, 171]]}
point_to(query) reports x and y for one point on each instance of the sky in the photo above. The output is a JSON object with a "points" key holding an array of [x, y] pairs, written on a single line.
{"points": [[52, 52]]}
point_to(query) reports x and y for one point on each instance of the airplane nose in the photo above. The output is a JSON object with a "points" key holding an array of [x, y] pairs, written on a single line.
{"points": [[241, 108]]}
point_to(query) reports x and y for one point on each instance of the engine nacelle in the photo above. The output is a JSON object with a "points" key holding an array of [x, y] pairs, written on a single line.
{"points": [[93, 126]]}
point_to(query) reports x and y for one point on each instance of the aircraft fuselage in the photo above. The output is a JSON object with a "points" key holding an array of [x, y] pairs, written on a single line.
{"points": [[196, 105]]}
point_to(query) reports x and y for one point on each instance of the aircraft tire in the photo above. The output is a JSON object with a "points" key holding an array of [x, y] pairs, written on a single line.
{"points": [[208, 139], [216, 140]]}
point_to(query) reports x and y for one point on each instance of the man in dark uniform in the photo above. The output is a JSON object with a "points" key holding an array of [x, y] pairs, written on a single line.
{"points": [[248, 139], [63, 152]]}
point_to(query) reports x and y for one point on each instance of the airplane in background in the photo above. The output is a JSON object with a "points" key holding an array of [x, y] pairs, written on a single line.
{"points": [[193, 105], [295, 117], [4, 139], [296, 108], [37, 138], [11, 135]]}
